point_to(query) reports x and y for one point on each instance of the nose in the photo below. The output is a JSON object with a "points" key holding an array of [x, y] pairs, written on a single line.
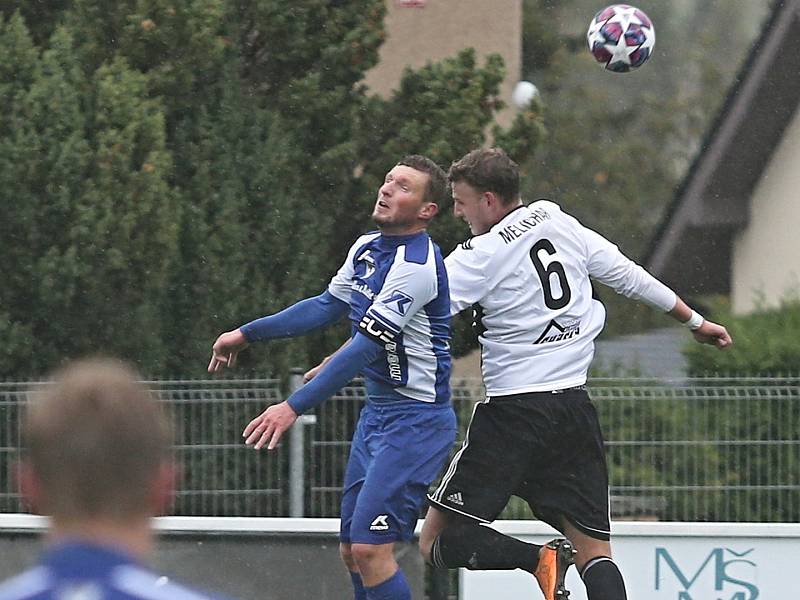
{"points": [[385, 189]]}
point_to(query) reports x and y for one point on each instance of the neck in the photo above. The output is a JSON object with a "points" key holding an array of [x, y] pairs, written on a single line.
{"points": [[497, 213], [134, 537], [388, 230], [505, 210]]}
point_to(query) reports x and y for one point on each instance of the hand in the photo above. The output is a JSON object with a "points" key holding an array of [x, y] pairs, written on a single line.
{"points": [[714, 334], [226, 349], [311, 373], [269, 426]]}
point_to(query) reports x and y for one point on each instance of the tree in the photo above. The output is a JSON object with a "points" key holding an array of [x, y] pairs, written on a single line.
{"points": [[87, 211], [211, 162]]}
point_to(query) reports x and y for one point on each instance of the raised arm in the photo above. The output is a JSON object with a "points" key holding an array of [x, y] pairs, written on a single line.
{"points": [[703, 330], [268, 427], [610, 266], [299, 319]]}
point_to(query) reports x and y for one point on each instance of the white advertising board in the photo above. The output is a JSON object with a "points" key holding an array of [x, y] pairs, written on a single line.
{"points": [[669, 561]]}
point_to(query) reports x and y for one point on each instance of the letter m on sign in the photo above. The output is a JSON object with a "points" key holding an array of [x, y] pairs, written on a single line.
{"points": [[663, 556]]}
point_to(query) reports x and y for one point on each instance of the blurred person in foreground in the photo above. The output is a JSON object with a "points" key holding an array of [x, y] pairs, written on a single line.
{"points": [[96, 460]]}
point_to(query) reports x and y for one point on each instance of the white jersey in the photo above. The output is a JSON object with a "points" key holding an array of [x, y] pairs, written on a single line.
{"points": [[529, 280]]}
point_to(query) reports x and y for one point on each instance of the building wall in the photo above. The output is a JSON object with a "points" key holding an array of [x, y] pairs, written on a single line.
{"points": [[766, 254], [440, 29]]}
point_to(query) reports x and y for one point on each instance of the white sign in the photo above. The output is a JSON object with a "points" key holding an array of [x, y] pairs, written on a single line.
{"points": [[669, 561]]}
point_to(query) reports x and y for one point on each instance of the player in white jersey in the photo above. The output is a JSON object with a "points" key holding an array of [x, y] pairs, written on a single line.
{"points": [[527, 270]]}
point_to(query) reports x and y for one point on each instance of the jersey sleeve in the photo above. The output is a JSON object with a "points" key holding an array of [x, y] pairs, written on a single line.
{"points": [[467, 270], [298, 319], [343, 366], [408, 287], [607, 264]]}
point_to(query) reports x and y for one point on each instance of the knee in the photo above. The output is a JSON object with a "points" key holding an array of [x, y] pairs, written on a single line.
{"points": [[366, 555], [586, 553], [436, 522]]}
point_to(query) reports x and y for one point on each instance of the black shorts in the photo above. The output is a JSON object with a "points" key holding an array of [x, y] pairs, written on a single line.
{"points": [[544, 447]]}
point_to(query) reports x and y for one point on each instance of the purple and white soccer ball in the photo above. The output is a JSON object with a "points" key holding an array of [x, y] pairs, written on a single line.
{"points": [[621, 37]]}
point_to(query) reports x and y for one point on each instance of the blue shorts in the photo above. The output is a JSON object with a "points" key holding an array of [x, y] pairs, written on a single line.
{"points": [[397, 451]]}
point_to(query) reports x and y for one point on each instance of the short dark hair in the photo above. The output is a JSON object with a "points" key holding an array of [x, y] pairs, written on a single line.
{"points": [[488, 170], [436, 190]]}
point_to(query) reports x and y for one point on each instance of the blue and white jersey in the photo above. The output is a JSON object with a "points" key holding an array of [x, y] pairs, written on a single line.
{"points": [[397, 290], [81, 571]]}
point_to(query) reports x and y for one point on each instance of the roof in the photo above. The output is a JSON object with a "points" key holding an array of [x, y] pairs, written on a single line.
{"points": [[691, 251]]}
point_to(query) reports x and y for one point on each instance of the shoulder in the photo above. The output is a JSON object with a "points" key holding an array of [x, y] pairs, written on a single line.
{"points": [[419, 249], [544, 204], [472, 258], [27, 585], [140, 583], [365, 239]]}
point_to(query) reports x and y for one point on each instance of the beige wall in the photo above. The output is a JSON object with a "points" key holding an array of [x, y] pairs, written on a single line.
{"points": [[766, 255], [416, 36]]}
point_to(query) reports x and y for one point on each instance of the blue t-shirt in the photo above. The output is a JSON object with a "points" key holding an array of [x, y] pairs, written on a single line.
{"points": [[397, 290], [81, 571]]}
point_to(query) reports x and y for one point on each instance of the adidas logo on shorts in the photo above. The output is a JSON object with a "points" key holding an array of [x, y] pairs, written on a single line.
{"points": [[379, 524], [456, 499]]}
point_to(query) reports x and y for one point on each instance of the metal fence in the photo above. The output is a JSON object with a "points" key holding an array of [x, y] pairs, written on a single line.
{"points": [[720, 449]]}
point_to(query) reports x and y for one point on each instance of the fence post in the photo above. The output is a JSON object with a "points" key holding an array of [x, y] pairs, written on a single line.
{"points": [[297, 453]]}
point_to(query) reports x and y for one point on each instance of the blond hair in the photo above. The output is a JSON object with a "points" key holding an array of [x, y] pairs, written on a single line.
{"points": [[95, 440]]}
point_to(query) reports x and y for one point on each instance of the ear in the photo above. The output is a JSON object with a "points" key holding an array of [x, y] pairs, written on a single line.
{"points": [[428, 211], [492, 199], [162, 491], [29, 486]]}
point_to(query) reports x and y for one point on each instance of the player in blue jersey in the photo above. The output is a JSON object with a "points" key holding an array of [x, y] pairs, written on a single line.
{"points": [[97, 460], [393, 287]]}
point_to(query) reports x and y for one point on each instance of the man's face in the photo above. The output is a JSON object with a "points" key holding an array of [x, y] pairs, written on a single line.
{"points": [[472, 207], [400, 203]]}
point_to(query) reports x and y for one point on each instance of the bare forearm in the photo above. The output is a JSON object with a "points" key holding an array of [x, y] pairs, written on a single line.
{"points": [[681, 311]]}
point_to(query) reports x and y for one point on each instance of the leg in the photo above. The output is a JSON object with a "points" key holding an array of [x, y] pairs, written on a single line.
{"points": [[449, 541], [374, 571], [354, 479], [375, 562], [474, 490], [570, 492], [346, 552], [435, 522], [406, 453], [600, 574]]}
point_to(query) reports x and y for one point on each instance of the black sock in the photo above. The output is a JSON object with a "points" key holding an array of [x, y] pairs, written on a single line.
{"points": [[603, 580], [477, 547]]}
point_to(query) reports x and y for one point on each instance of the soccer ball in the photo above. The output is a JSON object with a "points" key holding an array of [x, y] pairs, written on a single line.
{"points": [[621, 38]]}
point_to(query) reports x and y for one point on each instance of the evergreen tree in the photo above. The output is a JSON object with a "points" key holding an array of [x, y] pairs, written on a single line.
{"points": [[193, 164]]}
